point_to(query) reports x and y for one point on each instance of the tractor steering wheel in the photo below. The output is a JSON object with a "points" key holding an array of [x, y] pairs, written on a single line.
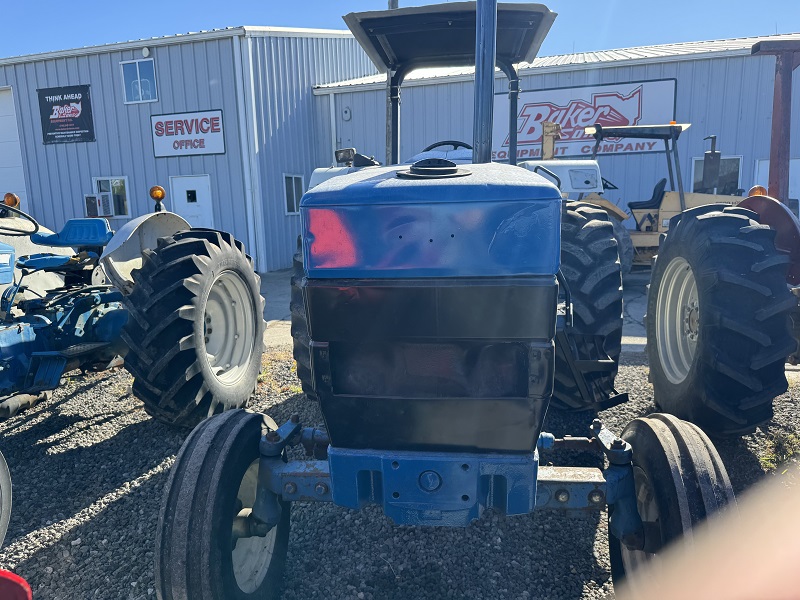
{"points": [[14, 231], [454, 143]]}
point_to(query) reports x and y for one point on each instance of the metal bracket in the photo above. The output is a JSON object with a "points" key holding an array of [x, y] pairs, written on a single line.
{"points": [[570, 488], [617, 450]]}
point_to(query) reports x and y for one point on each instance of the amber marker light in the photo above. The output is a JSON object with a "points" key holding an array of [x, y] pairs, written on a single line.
{"points": [[11, 200], [757, 190], [157, 193]]}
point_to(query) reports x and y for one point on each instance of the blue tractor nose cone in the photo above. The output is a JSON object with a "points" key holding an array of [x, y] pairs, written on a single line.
{"points": [[430, 481]]}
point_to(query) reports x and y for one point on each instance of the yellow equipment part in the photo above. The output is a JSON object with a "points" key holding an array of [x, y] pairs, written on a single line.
{"points": [[611, 208], [657, 219]]}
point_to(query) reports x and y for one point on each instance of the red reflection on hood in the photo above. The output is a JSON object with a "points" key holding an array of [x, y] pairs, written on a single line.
{"points": [[332, 245]]}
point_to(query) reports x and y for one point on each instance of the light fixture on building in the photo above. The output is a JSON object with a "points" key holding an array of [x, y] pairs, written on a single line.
{"points": [[145, 52]]}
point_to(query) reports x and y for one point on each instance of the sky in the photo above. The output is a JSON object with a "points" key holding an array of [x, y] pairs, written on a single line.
{"points": [[582, 25]]}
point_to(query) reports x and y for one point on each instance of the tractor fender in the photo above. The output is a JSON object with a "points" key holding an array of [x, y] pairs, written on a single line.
{"points": [[612, 209], [124, 252], [783, 221]]}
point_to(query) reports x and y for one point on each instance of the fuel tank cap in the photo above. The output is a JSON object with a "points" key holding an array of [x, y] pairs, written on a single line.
{"points": [[433, 168]]}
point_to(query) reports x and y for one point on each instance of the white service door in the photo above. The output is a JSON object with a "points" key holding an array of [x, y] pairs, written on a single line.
{"points": [[762, 176], [12, 174], [190, 197]]}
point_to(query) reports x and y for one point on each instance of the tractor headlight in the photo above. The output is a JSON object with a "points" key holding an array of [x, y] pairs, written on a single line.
{"points": [[5, 258]]}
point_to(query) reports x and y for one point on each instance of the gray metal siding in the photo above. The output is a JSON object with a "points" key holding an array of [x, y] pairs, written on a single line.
{"points": [[191, 76], [730, 97], [292, 129]]}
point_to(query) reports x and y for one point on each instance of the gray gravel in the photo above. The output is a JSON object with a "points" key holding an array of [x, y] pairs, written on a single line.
{"points": [[89, 466]]}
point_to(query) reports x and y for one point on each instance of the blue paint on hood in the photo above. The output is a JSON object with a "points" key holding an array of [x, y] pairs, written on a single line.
{"points": [[498, 220]]}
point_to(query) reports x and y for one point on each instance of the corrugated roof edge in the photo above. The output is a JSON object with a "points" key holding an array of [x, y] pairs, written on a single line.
{"points": [[582, 60], [178, 38]]}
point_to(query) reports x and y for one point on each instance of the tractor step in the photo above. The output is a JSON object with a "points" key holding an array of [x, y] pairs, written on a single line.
{"points": [[78, 349]]}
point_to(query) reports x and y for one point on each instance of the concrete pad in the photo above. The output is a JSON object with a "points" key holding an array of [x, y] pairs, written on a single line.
{"points": [[634, 305], [276, 289]]}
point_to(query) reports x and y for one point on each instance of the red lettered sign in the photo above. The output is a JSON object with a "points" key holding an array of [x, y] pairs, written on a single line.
{"points": [[638, 103]]}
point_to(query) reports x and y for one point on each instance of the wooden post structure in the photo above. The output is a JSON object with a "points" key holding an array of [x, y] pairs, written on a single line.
{"points": [[787, 58]]}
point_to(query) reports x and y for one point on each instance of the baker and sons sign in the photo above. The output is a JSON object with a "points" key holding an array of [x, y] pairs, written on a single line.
{"points": [[188, 134], [638, 103]]}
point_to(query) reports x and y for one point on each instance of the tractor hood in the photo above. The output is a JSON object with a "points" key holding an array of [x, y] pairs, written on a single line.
{"points": [[443, 35], [485, 220]]}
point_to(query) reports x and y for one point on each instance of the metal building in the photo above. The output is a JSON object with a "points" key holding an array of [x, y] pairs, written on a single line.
{"points": [[716, 86], [223, 119]]}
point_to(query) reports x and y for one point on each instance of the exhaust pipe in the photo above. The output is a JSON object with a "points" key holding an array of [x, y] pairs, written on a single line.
{"points": [[485, 60]]}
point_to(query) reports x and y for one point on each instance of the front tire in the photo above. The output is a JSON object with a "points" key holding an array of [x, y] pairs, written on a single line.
{"points": [[214, 477], [718, 327], [5, 498], [196, 328], [679, 479], [590, 265]]}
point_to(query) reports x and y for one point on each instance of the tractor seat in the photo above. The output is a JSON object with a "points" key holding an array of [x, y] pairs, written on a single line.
{"points": [[655, 201], [77, 233]]}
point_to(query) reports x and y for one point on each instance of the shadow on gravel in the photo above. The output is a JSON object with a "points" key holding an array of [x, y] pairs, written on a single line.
{"points": [[743, 466], [108, 556], [53, 487]]}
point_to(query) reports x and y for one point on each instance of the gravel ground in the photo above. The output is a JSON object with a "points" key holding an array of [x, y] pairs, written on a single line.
{"points": [[89, 466]]}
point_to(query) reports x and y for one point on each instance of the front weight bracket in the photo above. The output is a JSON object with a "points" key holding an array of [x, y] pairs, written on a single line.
{"points": [[267, 507]]}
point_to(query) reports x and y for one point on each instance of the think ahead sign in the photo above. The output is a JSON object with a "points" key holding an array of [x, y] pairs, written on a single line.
{"points": [[66, 114]]}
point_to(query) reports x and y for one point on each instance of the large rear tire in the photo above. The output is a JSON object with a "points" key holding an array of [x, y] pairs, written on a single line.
{"points": [[196, 327], [590, 265], [718, 326], [300, 337], [624, 245], [213, 479], [680, 481]]}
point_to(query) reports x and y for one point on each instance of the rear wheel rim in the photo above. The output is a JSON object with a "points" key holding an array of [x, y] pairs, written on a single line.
{"points": [[229, 328], [251, 557], [677, 320]]}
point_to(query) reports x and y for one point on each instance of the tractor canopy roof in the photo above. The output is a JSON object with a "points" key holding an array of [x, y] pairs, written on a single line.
{"points": [[443, 35], [642, 132]]}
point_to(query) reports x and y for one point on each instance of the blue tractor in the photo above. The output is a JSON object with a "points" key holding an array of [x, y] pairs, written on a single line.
{"points": [[181, 305], [439, 308]]}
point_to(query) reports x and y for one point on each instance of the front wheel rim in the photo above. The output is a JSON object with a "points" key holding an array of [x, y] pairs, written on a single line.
{"points": [[251, 557], [677, 320], [229, 328], [632, 560]]}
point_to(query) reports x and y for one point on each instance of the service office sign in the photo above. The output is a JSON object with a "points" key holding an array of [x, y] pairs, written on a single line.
{"points": [[66, 114], [188, 134], [637, 103]]}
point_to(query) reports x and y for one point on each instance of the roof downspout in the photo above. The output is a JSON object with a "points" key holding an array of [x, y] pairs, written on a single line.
{"points": [[332, 106], [247, 162]]}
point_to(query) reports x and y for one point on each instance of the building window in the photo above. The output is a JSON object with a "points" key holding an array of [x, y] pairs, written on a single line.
{"points": [[139, 81], [293, 185], [729, 177], [110, 197]]}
